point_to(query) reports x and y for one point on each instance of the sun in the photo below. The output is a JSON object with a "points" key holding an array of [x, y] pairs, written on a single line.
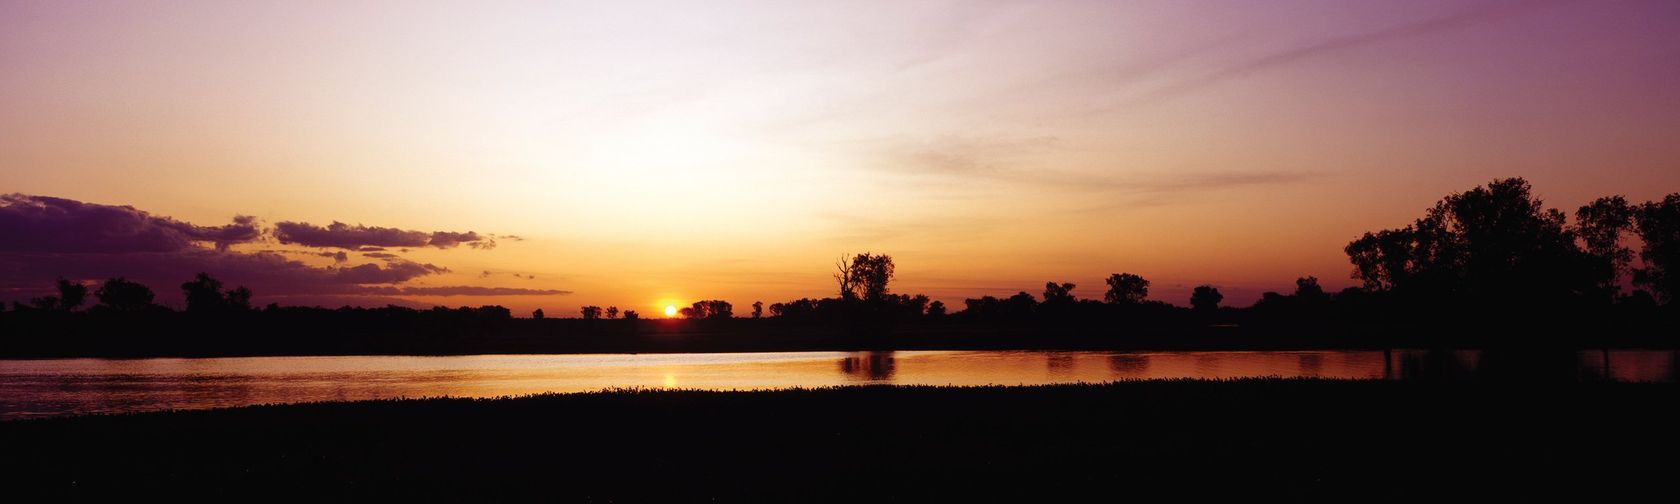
{"points": [[670, 310]]}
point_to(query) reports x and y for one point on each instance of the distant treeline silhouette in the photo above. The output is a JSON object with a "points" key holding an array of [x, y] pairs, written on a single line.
{"points": [[1488, 266]]}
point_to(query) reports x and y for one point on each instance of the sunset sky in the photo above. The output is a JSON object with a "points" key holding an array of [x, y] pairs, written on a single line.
{"points": [[640, 154]]}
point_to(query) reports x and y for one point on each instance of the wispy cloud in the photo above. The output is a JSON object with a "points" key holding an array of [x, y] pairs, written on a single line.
{"points": [[357, 237], [1486, 13], [1023, 162], [463, 290]]}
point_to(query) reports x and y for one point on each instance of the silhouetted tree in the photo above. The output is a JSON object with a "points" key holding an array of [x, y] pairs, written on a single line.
{"points": [[1600, 226], [71, 295], [204, 294], [1126, 288], [1490, 245], [239, 299], [120, 294], [1020, 306], [591, 312], [1206, 298], [631, 315], [709, 309], [44, 303], [864, 276], [1305, 305], [1058, 293], [1059, 303], [936, 309], [1307, 290], [1659, 227], [758, 309], [800, 308], [537, 314], [612, 312]]}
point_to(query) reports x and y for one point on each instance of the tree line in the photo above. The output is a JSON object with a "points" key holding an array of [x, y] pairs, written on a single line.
{"points": [[1495, 250]]}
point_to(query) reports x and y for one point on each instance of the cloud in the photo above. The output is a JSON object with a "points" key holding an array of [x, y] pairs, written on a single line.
{"points": [[446, 239], [850, 228], [266, 272], [463, 290], [966, 156], [1485, 14], [393, 272], [357, 237], [44, 238], [1020, 161], [46, 224]]}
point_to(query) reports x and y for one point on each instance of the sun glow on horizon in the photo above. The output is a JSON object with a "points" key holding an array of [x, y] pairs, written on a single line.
{"points": [[988, 147]]}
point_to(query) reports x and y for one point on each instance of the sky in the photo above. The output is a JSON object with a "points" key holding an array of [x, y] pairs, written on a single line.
{"points": [[637, 153]]}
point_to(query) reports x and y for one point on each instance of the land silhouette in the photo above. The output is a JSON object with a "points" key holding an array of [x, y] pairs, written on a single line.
{"points": [[1248, 440], [1487, 267]]}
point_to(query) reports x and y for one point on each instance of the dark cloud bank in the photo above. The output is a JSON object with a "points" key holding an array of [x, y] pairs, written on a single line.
{"points": [[373, 238], [44, 238]]}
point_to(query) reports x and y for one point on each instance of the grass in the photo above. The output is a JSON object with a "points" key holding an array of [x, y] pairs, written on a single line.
{"points": [[1263, 439]]}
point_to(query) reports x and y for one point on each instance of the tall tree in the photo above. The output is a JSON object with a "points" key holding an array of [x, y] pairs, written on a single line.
{"points": [[1307, 289], [1058, 293], [71, 295], [1491, 244], [709, 309], [1206, 298], [239, 299], [1126, 288], [1659, 228], [120, 294], [204, 294], [1600, 226], [864, 276], [936, 308]]}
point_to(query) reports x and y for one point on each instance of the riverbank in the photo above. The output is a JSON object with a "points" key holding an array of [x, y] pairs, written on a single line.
{"points": [[1300, 440]]}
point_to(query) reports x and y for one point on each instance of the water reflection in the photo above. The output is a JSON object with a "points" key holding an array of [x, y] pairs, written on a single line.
{"points": [[1059, 364], [1632, 365], [1434, 365], [32, 388], [868, 366], [1129, 365], [1311, 364]]}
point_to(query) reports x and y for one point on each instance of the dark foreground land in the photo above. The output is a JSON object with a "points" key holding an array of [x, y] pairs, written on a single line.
{"points": [[1289, 440]]}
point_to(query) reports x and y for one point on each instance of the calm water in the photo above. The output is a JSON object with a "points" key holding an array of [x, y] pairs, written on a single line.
{"points": [[37, 388]]}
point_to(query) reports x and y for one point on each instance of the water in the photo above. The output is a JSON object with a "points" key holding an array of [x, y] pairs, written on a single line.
{"points": [[53, 387]]}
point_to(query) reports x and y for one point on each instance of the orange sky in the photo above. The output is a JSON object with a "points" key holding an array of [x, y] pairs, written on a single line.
{"points": [[663, 152]]}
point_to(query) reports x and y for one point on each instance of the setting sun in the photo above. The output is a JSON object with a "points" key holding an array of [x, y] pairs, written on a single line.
{"points": [[670, 310]]}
